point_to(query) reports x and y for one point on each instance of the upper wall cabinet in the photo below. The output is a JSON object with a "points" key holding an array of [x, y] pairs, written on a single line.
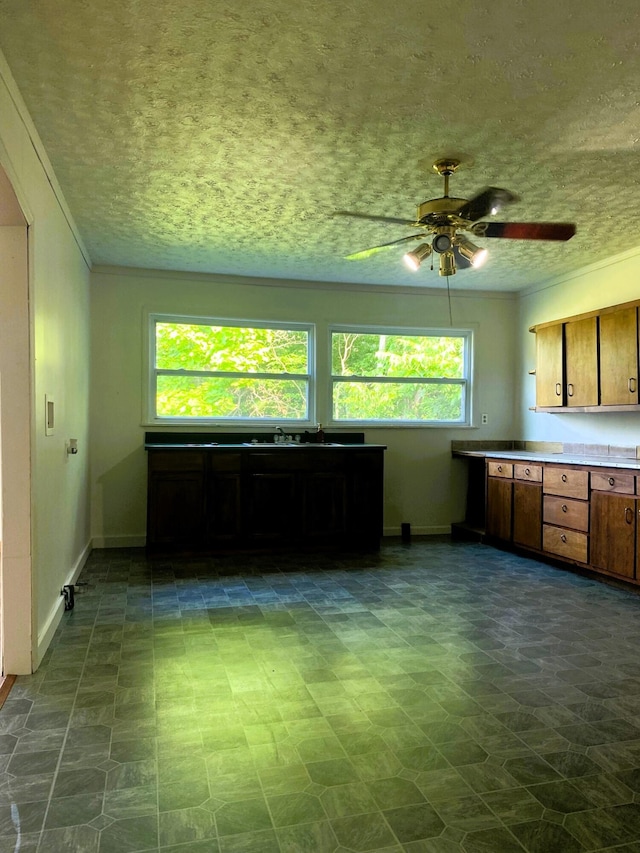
{"points": [[589, 363], [581, 361], [619, 357], [550, 366]]}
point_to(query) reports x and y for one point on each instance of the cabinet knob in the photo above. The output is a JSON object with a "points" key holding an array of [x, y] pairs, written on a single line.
{"points": [[563, 537], [564, 508], [564, 478], [628, 515], [611, 481]]}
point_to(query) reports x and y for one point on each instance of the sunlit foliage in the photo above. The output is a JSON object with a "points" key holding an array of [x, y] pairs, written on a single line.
{"points": [[240, 372]]}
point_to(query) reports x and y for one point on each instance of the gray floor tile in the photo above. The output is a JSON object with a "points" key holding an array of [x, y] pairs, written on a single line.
{"points": [[429, 698]]}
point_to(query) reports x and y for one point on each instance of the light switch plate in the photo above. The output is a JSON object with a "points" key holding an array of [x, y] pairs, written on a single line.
{"points": [[49, 415]]}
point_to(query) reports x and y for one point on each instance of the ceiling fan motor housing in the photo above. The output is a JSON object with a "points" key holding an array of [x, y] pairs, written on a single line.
{"points": [[443, 240], [446, 206]]}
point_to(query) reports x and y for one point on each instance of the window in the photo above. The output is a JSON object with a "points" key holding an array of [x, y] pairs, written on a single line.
{"points": [[228, 371], [388, 376]]}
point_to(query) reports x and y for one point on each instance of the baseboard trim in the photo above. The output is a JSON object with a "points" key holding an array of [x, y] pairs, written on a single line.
{"points": [[119, 541], [45, 635], [6, 684], [422, 530]]}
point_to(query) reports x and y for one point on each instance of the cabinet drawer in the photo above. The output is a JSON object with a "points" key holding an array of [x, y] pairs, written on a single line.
{"points": [[566, 512], [528, 472], [284, 459], [566, 481], [565, 543], [610, 481], [500, 469], [226, 461], [176, 460]]}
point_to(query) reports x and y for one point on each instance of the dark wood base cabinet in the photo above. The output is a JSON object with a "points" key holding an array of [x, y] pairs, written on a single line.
{"points": [[567, 512], [260, 498]]}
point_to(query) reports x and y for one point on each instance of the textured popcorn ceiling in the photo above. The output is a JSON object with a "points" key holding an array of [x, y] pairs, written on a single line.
{"points": [[220, 136]]}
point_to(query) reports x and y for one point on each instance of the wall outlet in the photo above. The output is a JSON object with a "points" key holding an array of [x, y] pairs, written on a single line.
{"points": [[484, 419]]}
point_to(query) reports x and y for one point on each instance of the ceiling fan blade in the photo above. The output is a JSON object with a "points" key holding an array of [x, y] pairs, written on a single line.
{"points": [[526, 230], [375, 218], [486, 202], [366, 253]]}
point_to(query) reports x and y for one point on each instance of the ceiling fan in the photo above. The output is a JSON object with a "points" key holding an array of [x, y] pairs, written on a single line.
{"points": [[442, 219]]}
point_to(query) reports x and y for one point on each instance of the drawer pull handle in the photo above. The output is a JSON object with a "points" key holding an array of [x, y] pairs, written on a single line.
{"points": [[611, 481], [558, 389], [499, 467], [564, 478], [632, 385], [564, 507], [563, 537], [628, 515], [570, 389], [527, 471]]}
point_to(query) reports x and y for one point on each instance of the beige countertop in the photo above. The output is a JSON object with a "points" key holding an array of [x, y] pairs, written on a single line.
{"points": [[560, 458]]}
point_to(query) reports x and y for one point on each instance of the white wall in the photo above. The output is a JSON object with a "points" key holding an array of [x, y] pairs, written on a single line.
{"points": [[422, 487], [609, 283], [58, 356]]}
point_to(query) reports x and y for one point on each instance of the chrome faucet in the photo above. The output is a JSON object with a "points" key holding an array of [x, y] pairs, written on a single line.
{"points": [[279, 435]]}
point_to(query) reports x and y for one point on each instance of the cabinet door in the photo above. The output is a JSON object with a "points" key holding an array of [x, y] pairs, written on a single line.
{"points": [[365, 496], [224, 506], [527, 515], [581, 357], [619, 357], [273, 507], [613, 533], [499, 508], [549, 372], [224, 498], [176, 508], [324, 504]]}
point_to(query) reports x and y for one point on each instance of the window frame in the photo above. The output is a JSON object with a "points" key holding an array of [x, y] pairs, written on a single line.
{"points": [[151, 416], [466, 381]]}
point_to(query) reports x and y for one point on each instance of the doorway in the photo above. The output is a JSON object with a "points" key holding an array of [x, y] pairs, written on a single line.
{"points": [[15, 438]]}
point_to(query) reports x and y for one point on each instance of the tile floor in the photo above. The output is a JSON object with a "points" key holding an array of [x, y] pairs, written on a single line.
{"points": [[436, 697]]}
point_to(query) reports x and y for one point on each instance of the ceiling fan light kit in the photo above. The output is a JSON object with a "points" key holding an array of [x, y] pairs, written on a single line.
{"points": [[416, 257], [472, 253], [447, 264], [445, 217]]}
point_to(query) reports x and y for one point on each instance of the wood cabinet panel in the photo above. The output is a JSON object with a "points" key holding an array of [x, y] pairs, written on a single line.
{"points": [[570, 482], [527, 514], [499, 508], [365, 496], [175, 508], [599, 353], [324, 504], [528, 472], [613, 533], [589, 516], [581, 362], [263, 498], [224, 507], [566, 512], [549, 366], [613, 481], [500, 469], [570, 544], [271, 502], [619, 357]]}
